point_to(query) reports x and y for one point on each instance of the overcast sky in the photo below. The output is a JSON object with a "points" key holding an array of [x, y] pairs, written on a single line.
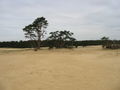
{"points": [[88, 19]]}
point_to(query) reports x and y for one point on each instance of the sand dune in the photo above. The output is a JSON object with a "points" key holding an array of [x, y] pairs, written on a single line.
{"points": [[89, 68]]}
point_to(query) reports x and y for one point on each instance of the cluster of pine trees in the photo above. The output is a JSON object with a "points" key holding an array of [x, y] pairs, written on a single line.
{"points": [[35, 32], [59, 39]]}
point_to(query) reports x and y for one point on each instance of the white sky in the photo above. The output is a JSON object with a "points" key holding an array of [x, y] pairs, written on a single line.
{"points": [[87, 19]]}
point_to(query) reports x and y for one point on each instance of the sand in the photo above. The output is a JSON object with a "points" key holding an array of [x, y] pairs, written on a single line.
{"points": [[89, 68]]}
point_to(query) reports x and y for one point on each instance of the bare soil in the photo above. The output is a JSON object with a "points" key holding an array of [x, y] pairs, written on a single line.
{"points": [[89, 68]]}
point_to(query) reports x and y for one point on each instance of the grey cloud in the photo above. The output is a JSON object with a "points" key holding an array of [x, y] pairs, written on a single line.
{"points": [[88, 19]]}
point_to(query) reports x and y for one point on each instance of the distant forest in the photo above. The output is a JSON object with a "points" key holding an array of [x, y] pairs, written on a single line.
{"points": [[35, 33], [45, 43]]}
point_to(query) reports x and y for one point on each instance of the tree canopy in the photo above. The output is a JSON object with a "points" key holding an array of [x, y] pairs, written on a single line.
{"points": [[36, 30], [59, 38]]}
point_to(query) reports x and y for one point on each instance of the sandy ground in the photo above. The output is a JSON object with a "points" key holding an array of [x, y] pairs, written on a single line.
{"points": [[89, 68]]}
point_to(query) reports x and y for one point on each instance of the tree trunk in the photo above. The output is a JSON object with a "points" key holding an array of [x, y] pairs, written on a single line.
{"points": [[39, 37], [38, 42]]}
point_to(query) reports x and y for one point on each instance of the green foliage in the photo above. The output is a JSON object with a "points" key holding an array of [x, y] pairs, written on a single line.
{"points": [[48, 43], [110, 44], [105, 41], [36, 30], [61, 39], [105, 38]]}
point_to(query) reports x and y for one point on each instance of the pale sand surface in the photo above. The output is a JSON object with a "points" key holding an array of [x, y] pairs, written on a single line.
{"points": [[89, 68]]}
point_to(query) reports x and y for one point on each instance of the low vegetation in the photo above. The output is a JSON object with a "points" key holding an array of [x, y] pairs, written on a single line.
{"points": [[110, 44], [35, 33]]}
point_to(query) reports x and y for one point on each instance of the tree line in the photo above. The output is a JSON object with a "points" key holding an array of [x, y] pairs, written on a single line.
{"points": [[53, 43], [35, 33], [110, 44], [49, 43]]}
